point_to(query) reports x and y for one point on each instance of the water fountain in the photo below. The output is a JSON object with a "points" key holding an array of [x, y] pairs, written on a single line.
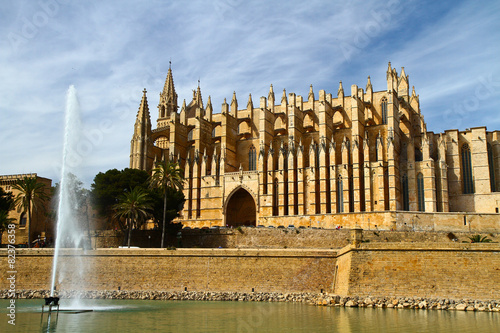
{"points": [[69, 233]]}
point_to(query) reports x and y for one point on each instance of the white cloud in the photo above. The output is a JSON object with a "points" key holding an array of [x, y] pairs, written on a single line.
{"points": [[112, 50]]}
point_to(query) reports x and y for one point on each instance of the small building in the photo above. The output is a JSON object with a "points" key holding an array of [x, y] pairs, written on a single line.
{"points": [[41, 224]]}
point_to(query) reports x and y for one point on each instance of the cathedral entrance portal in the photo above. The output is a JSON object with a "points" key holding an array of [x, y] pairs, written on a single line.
{"points": [[240, 210]]}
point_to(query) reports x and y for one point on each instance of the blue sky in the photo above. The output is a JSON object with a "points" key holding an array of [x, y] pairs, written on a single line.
{"points": [[111, 50]]}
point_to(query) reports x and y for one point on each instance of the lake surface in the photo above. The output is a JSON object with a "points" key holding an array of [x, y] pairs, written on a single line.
{"points": [[196, 316]]}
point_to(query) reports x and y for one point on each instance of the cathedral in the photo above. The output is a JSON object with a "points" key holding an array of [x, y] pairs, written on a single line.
{"points": [[329, 159]]}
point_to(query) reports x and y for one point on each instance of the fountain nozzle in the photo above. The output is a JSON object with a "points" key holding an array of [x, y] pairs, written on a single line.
{"points": [[52, 301]]}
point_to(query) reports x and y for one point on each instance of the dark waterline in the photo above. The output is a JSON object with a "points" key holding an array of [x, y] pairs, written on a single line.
{"points": [[196, 316]]}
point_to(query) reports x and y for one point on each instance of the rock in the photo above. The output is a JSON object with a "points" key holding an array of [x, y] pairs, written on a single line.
{"points": [[461, 307], [470, 308], [351, 304]]}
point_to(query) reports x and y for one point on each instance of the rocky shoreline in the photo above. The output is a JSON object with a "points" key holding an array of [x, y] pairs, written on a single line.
{"points": [[308, 298]]}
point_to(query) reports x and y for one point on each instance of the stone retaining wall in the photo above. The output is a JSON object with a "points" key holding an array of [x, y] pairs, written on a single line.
{"points": [[258, 270], [454, 270]]}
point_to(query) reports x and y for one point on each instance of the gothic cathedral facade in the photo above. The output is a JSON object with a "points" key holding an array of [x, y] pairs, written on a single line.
{"points": [[333, 159]]}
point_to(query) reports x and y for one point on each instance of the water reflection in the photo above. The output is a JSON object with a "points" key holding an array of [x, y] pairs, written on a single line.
{"points": [[190, 316]]}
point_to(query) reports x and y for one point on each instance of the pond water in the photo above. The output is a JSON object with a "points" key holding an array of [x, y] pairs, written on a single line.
{"points": [[196, 316]]}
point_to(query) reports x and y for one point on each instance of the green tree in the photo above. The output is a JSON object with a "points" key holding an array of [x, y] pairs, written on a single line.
{"points": [[166, 176], [6, 205], [110, 185], [31, 196], [5, 220], [479, 239], [134, 206], [6, 200]]}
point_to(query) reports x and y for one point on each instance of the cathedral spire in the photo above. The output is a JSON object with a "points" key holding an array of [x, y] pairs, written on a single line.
{"points": [[340, 92], [311, 93], [143, 113], [369, 84], [168, 97], [283, 97], [270, 99], [142, 133], [209, 110], [250, 102], [199, 100], [271, 93], [234, 105]]}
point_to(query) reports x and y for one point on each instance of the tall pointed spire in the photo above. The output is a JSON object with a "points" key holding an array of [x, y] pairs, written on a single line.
{"points": [[199, 100], [369, 84], [168, 97], [209, 110], [143, 112], [250, 102], [270, 99], [234, 105], [140, 139]]}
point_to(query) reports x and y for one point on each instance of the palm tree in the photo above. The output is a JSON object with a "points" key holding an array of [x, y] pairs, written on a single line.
{"points": [[5, 220], [479, 239], [166, 175], [31, 195], [134, 206]]}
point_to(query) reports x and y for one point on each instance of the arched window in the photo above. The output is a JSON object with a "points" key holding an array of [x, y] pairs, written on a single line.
{"points": [[405, 192], [383, 106], [340, 195], [468, 186], [190, 136], [22, 220], [213, 133], [420, 192], [252, 158], [491, 164]]}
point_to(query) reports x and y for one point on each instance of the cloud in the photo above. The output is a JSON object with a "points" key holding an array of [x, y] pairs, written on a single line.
{"points": [[110, 51]]}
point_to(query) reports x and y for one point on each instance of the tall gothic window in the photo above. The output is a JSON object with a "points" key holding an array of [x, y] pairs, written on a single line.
{"points": [[384, 110], [491, 164], [22, 220], [468, 186], [276, 197], [406, 193], [378, 144], [351, 194], [420, 192], [190, 135], [340, 195], [252, 159]]}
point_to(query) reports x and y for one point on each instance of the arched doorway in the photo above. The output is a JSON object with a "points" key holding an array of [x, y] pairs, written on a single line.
{"points": [[240, 209]]}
